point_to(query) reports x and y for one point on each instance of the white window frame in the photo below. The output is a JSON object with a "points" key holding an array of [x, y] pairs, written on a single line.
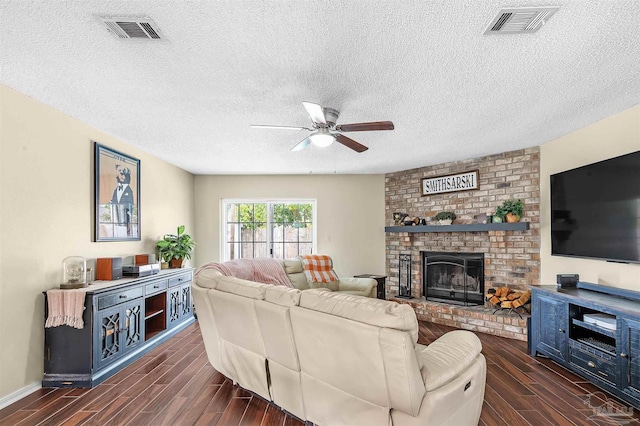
{"points": [[224, 246]]}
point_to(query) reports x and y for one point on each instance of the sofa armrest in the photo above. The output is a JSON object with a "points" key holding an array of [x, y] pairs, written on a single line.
{"points": [[366, 285], [447, 357]]}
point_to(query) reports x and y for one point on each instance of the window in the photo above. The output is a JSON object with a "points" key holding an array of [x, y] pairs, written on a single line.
{"points": [[278, 229]]}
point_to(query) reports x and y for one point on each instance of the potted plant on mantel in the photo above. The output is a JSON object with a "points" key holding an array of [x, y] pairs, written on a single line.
{"points": [[510, 211], [445, 218], [174, 249]]}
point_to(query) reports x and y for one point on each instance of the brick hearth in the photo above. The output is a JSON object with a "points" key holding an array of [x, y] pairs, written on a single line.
{"points": [[474, 318]]}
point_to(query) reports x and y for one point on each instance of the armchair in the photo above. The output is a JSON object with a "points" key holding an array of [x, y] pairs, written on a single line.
{"points": [[366, 287]]}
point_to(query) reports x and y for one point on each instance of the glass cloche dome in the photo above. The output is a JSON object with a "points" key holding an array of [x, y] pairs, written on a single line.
{"points": [[74, 272]]}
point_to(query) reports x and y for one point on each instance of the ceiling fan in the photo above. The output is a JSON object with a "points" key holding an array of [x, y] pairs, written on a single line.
{"points": [[325, 131]]}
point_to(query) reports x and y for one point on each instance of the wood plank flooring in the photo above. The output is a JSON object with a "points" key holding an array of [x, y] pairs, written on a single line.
{"points": [[175, 385]]}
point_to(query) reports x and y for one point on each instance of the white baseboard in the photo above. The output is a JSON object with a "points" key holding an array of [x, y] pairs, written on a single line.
{"points": [[19, 394]]}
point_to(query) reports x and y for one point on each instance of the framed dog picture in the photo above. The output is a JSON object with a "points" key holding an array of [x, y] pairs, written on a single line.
{"points": [[117, 195]]}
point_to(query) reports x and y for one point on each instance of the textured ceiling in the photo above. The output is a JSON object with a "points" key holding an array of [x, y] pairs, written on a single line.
{"points": [[451, 92]]}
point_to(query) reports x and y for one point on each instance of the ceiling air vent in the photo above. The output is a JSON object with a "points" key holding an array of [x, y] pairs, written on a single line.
{"points": [[520, 20], [132, 27]]}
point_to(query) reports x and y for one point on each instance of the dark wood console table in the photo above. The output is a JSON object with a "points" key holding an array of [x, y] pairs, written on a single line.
{"points": [[123, 320], [592, 330]]}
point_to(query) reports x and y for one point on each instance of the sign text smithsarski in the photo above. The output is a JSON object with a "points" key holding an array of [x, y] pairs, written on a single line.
{"points": [[450, 183]]}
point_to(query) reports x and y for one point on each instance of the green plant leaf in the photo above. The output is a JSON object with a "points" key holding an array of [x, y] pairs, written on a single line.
{"points": [[510, 206], [176, 246], [445, 216]]}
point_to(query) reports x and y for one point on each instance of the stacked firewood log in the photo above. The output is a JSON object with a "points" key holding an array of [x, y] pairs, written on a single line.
{"points": [[504, 297]]}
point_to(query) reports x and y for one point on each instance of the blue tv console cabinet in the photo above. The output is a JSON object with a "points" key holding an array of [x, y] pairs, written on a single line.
{"points": [[593, 331]]}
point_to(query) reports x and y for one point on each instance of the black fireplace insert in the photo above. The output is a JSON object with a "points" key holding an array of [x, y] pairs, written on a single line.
{"points": [[456, 278]]}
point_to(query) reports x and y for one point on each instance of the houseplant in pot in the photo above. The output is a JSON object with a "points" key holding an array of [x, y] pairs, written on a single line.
{"points": [[445, 218], [175, 248], [510, 211]]}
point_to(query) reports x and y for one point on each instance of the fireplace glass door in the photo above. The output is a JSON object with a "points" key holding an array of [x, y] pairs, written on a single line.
{"points": [[456, 278]]}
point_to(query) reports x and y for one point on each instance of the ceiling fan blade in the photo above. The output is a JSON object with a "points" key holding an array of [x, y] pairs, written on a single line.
{"points": [[350, 143], [315, 112], [302, 145], [268, 126], [361, 127]]}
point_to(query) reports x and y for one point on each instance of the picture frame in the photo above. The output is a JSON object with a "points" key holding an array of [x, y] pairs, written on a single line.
{"points": [[116, 195]]}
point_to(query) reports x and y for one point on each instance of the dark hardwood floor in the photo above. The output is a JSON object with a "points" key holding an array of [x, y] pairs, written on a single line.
{"points": [[175, 385]]}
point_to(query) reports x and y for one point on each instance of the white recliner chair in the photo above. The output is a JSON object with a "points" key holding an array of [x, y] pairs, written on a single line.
{"points": [[361, 365]]}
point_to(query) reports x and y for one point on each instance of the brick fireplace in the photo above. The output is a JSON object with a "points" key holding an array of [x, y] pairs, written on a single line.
{"points": [[511, 257]]}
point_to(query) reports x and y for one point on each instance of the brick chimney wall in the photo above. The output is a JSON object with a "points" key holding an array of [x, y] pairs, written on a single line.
{"points": [[512, 258]]}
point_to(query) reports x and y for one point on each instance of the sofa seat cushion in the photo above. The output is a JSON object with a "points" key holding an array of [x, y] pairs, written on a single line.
{"points": [[448, 356], [355, 293], [331, 285], [381, 313], [318, 268]]}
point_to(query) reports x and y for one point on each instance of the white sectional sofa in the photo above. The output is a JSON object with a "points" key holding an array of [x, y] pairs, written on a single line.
{"points": [[337, 359]]}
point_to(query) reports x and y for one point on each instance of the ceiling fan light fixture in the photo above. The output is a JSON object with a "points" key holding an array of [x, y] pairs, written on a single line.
{"points": [[322, 140], [325, 132]]}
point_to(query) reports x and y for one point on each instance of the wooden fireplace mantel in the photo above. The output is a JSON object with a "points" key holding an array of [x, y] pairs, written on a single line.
{"points": [[474, 227]]}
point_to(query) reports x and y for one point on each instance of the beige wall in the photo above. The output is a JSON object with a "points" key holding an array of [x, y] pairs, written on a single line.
{"points": [[45, 215], [611, 137], [350, 214]]}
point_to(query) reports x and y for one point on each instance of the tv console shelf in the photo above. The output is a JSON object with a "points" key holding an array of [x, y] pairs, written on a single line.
{"points": [[592, 330], [123, 320]]}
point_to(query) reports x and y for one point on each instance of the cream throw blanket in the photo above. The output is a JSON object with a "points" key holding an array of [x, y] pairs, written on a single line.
{"points": [[65, 307]]}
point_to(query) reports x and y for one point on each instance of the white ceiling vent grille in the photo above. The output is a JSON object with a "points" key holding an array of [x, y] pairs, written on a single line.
{"points": [[123, 27], [520, 20]]}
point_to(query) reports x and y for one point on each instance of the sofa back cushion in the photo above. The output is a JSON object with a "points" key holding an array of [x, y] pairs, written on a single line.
{"points": [[207, 278], [380, 313], [283, 296], [361, 348], [242, 287], [365, 352], [293, 269]]}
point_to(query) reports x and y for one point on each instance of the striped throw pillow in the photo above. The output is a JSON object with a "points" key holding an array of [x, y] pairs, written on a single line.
{"points": [[318, 268]]}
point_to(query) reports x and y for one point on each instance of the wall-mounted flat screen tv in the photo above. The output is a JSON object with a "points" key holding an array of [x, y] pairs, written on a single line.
{"points": [[595, 210]]}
